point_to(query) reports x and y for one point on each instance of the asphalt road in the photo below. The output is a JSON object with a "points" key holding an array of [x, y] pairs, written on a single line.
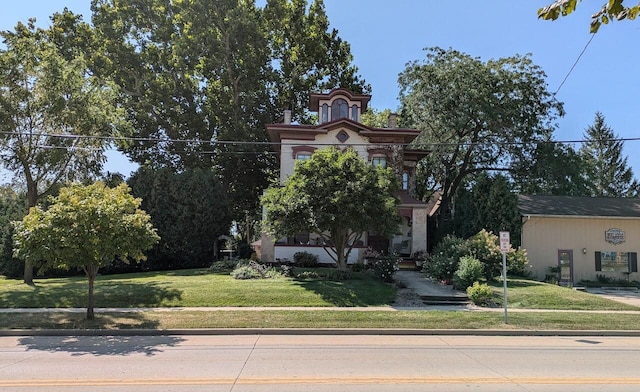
{"points": [[318, 363]]}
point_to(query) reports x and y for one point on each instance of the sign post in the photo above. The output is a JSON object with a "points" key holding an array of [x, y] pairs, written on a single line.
{"points": [[505, 246]]}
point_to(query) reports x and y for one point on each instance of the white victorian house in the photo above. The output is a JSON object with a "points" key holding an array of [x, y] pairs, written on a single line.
{"points": [[339, 114]]}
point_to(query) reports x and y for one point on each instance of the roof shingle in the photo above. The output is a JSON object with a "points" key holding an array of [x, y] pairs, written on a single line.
{"points": [[579, 206]]}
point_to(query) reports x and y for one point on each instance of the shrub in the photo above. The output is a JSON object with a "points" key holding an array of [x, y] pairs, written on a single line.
{"points": [[244, 250], [305, 259], [224, 265], [469, 271], [485, 247], [443, 261], [245, 272], [286, 271], [254, 270], [384, 268], [480, 294], [307, 275], [517, 263], [337, 275]]}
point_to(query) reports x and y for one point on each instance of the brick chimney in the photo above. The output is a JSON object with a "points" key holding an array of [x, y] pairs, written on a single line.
{"points": [[393, 120]]}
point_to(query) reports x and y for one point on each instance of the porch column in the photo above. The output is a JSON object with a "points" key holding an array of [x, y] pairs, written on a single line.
{"points": [[419, 230]]}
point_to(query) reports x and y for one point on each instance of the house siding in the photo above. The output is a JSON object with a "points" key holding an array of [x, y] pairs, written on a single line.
{"points": [[287, 158]]}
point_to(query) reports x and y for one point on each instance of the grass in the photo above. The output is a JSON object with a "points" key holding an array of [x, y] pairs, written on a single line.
{"points": [[528, 294], [200, 288], [322, 319], [193, 288]]}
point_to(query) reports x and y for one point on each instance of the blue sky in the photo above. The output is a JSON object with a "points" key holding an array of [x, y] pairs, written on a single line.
{"points": [[385, 35]]}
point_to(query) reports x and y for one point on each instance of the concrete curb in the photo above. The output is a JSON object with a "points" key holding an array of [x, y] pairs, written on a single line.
{"points": [[314, 331]]}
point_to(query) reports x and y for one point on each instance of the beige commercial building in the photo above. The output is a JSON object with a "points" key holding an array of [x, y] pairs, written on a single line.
{"points": [[579, 238]]}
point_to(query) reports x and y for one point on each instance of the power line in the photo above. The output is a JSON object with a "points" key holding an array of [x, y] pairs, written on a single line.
{"points": [[426, 146], [574, 64]]}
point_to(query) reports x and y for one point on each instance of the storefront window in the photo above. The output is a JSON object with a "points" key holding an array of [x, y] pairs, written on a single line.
{"points": [[608, 261]]}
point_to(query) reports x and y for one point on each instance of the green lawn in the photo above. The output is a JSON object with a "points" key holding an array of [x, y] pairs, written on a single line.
{"points": [[200, 288], [323, 319], [528, 294], [197, 287]]}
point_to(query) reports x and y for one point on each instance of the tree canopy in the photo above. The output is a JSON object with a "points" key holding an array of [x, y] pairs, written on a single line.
{"points": [[85, 227], [337, 196], [489, 202], [474, 116], [554, 169], [200, 79], [189, 210], [55, 118], [607, 170], [611, 10]]}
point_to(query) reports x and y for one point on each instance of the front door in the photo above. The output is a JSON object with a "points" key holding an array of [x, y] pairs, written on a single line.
{"points": [[565, 264]]}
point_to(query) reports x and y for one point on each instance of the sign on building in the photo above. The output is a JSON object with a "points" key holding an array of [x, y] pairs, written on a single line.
{"points": [[614, 236]]}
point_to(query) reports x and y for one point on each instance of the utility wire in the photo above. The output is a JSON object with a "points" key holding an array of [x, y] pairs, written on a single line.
{"points": [[574, 64], [426, 146]]}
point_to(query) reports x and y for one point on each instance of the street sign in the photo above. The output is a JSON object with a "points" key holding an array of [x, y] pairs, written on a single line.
{"points": [[505, 242]]}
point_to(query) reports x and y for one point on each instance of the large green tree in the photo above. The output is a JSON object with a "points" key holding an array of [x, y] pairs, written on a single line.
{"points": [[85, 227], [610, 10], [554, 169], [12, 208], [308, 55], [488, 202], [338, 196], [200, 79], [189, 210], [608, 173], [55, 118], [475, 116]]}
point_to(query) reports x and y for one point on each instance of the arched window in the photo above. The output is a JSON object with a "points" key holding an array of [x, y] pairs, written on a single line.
{"points": [[325, 113], [354, 113], [339, 109]]}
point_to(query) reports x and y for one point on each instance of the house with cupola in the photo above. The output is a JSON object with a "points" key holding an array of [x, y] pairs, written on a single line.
{"points": [[339, 114]]}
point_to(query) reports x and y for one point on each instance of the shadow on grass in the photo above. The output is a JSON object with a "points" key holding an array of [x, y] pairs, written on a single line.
{"points": [[350, 293], [57, 320], [73, 294], [100, 345], [153, 274]]}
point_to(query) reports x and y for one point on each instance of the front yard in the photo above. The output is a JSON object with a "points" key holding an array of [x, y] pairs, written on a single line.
{"points": [[201, 288]]}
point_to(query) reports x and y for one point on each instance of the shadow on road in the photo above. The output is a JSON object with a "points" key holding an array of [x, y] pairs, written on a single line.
{"points": [[101, 345]]}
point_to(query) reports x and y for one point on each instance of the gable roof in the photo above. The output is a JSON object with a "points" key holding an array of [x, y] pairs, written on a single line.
{"points": [[579, 206]]}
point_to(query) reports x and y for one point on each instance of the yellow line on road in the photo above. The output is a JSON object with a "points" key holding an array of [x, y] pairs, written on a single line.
{"points": [[325, 381]]}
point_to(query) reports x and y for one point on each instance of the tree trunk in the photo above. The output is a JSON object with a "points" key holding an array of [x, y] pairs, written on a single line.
{"points": [[342, 263], [32, 199], [91, 271]]}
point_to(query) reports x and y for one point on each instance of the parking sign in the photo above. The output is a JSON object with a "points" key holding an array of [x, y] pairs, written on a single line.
{"points": [[505, 242]]}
